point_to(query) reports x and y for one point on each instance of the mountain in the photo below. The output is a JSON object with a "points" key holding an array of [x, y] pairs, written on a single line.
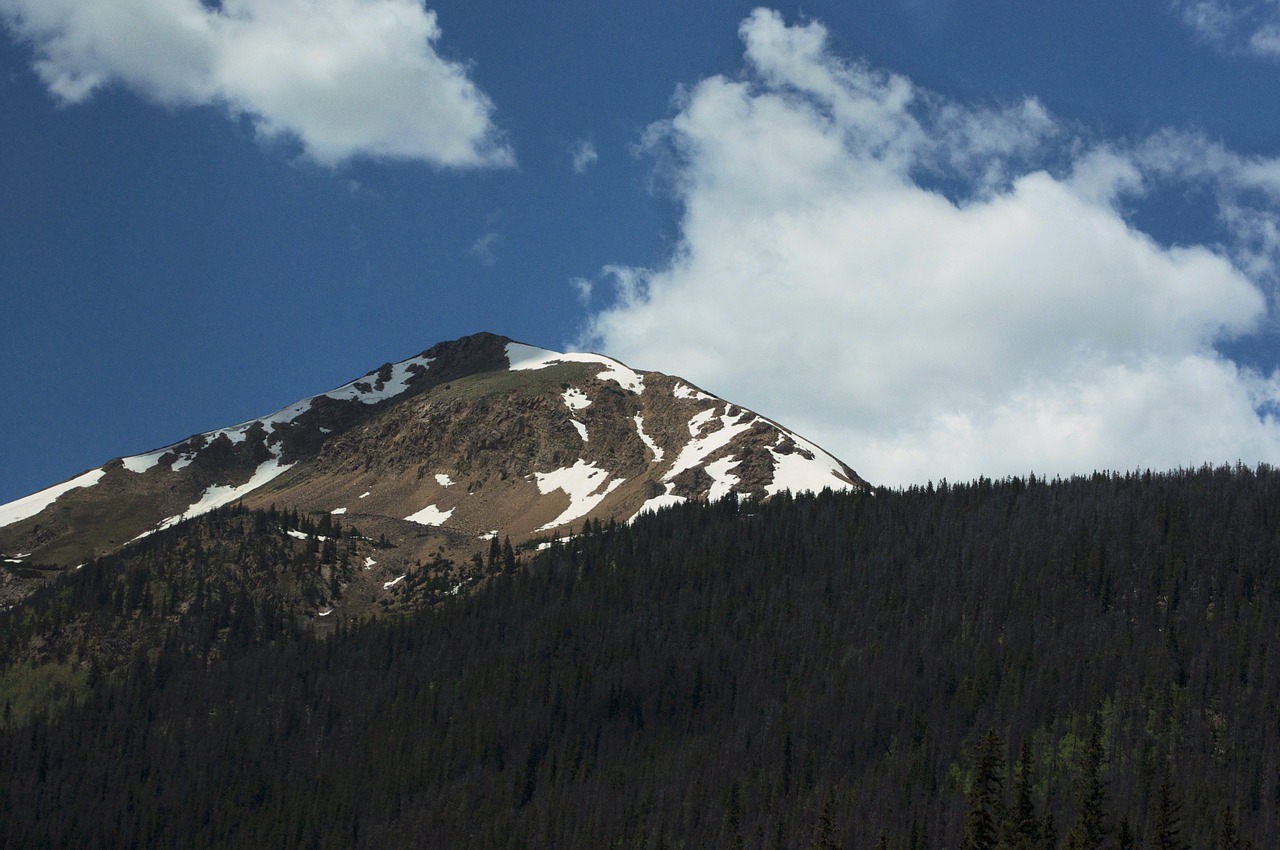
{"points": [[474, 440]]}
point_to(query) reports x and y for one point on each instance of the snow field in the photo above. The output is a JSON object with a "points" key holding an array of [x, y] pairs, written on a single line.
{"points": [[584, 483], [647, 440], [522, 357], [430, 515], [29, 506], [576, 399]]}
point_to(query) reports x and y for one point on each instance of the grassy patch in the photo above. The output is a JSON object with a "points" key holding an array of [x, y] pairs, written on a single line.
{"points": [[28, 689]]}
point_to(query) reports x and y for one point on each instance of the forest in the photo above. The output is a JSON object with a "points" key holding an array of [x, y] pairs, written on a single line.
{"points": [[1023, 663]]}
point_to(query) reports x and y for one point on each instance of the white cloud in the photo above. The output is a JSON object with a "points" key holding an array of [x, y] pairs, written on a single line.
{"points": [[1234, 26], [583, 288], [345, 78], [486, 246], [584, 156], [1016, 322]]}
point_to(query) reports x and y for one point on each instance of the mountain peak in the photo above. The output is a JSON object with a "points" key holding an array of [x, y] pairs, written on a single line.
{"points": [[472, 438]]}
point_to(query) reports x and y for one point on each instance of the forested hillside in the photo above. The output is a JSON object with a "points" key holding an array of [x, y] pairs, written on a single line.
{"points": [[1022, 663]]}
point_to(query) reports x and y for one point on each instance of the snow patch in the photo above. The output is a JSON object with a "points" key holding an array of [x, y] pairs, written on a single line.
{"points": [[141, 463], [798, 474], [523, 357], [576, 399], [444, 480], [722, 480], [338, 511], [489, 535], [29, 506], [582, 429], [364, 390], [224, 494], [647, 440], [658, 502], [430, 515], [364, 495], [369, 562], [584, 483], [685, 391], [324, 613], [700, 447], [387, 585]]}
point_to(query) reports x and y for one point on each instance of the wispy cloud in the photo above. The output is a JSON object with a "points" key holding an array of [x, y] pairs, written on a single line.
{"points": [[931, 289], [345, 78], [1251, 27], [583, 287], [584, 156], [485, 247]]}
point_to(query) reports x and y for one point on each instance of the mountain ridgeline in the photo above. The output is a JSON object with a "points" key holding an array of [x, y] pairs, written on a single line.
{"points": [[473, 440], [1015, 664]]}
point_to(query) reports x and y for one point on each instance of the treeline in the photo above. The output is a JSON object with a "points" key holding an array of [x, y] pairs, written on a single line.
{"points": [[203, 588], [1018, 663]]}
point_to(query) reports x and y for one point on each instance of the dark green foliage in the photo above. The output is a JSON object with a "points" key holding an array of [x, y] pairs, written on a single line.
{"points": [[983, 820], [810, 669], [1090, 827], [1166, 829]]}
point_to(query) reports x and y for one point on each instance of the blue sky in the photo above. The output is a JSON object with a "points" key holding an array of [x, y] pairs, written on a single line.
{"points": [[941, 239]]}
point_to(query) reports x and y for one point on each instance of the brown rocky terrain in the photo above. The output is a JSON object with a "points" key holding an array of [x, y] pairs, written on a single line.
{"points": [[475, 439]]}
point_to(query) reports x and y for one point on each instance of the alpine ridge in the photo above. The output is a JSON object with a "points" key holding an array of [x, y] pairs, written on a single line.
{"points": [[471, 441]]}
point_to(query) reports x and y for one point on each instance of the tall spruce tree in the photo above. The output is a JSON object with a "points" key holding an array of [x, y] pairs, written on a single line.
{"points": [[986, 795], [1022, 829], [1166, 832], [1089, 829]]}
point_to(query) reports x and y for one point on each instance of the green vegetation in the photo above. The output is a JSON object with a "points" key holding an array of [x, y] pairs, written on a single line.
{"points": [[1012, 664]]}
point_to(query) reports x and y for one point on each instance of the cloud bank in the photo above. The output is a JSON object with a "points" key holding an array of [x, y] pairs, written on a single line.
{"points": [[345, 78], [932, 290]]}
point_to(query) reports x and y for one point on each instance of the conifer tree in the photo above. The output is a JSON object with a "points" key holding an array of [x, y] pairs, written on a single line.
{"points": [[824, 832], [1022, 830], [1166, 832], [1230, 837], [1090, 827], [986, 795]]}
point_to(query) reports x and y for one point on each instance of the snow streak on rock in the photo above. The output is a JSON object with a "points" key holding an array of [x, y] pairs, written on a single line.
{"points": [[224, 494], [584, 484], [702, 446], [29, 506], [430, 515], [576, 399], [647, 440], [522, 357]]}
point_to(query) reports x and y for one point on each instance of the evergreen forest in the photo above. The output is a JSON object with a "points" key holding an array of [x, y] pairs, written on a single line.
{"points": [[1024, 663]]}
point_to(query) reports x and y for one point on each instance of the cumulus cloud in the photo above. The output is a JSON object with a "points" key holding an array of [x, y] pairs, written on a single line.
{"points": [[344, 78], [1252, 27], [935, 290]]}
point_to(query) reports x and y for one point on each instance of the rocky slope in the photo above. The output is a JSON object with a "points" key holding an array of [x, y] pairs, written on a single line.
{"points": [[472, 440]]}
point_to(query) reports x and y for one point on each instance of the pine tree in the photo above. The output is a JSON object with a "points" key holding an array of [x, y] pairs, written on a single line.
{"points": [[1230, 838], [986, 795], [1090, 827], [824, 832], [1166, 833], [1022, 830]]}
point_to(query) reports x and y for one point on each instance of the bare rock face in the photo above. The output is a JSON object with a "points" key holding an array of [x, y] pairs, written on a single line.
{"points": [[470, 440]]}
